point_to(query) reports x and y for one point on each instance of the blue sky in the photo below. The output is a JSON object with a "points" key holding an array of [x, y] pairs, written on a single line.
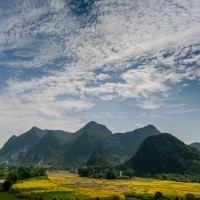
{"points": [[125, 64]]}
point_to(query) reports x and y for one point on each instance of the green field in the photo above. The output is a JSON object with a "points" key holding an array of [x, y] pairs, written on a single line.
{"points": [[8, 196]]}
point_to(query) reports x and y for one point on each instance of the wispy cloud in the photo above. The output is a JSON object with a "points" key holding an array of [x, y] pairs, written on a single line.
{"points": [[181, 111], [105, 51]]}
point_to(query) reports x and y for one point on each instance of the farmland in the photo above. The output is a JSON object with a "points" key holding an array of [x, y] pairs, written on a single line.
{"points": [[62, 183]]}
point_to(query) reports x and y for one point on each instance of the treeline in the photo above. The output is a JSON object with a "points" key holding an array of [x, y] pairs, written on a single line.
{"points": [[22, 173], [177, 177], [128, 196], [108, 172], [2, 170], [159, 196]]}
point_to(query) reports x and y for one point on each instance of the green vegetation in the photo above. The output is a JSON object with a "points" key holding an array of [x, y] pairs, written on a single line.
{"points": [[59, 148], [98, 171], [54, 196], [97, 158], [9, 196], [6, 195], [159, 196], [3, 171], [22, 173], [176, 177], [163, 153]]}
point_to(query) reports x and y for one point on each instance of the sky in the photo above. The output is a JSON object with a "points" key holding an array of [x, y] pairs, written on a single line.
{"points": [[124, 64]]}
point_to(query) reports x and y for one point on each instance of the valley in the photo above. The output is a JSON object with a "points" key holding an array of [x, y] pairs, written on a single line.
{"points": [[63, 183]]}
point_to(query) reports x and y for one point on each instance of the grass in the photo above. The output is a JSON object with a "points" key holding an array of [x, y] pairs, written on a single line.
{"points": [[8, 196], [61, 184]]}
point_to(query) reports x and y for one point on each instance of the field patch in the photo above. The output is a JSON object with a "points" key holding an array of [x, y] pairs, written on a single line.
{"points": [[61, 182]]}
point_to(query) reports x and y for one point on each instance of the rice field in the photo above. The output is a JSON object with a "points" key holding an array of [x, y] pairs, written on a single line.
{"points": [[62, 181]]}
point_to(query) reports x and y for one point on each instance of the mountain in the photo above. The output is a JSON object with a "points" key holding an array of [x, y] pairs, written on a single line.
{"points": [[164, 153], [11, 139], [16, 148], [64, 148], [131, 140], [47, 149], [63, 134], [117, 147], [196, 145], [97, 158], [83, 142]]}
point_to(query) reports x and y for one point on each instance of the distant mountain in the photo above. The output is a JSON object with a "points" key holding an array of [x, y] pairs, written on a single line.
{"points": [[131, 140], [63, 134], [83, 142], [117, 147], [97, 158], [11, 139], [16, 148], [164, 153], [196, 145], [64, 148], [47, 150]]}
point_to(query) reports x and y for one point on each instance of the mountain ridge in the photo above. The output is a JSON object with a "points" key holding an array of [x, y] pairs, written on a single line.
{"points": [[74, 148], [195, 145]]}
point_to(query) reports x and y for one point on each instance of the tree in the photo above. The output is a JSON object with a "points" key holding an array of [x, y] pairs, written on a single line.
{"points": [[13, 176], [7, 185], [158, 196], [189, 196], [129, 172], [85, 171], [111, 174]]}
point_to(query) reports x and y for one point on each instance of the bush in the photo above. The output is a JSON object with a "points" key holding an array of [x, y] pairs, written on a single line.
{"points": [[7, 185], [111, 174], [158, 195], [189, 196]]}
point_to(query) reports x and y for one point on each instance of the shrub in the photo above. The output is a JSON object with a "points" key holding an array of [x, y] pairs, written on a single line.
{"points": [[7, 185]]}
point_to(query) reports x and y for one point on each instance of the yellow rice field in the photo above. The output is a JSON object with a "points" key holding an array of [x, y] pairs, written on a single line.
{"points": [[65, 181]]}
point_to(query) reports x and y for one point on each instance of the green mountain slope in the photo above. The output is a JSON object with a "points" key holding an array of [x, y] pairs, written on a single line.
{"points": [[18, 147], [117, 147], [10, 140], [47, 150], [196, 145], [83, 142], [131, 140], [67, 148], [60, 133], [164, 153], [97, 158]]}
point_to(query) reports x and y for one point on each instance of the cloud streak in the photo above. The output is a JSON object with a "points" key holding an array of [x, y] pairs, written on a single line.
{"points": [[85, 53]]}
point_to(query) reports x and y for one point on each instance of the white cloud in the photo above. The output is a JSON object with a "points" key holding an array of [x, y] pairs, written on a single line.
{"points": [[185, 85], [135, 50], [102, 77], [139, 125], [176, 105], [180, 111], [149, 104], [142, 81]]}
